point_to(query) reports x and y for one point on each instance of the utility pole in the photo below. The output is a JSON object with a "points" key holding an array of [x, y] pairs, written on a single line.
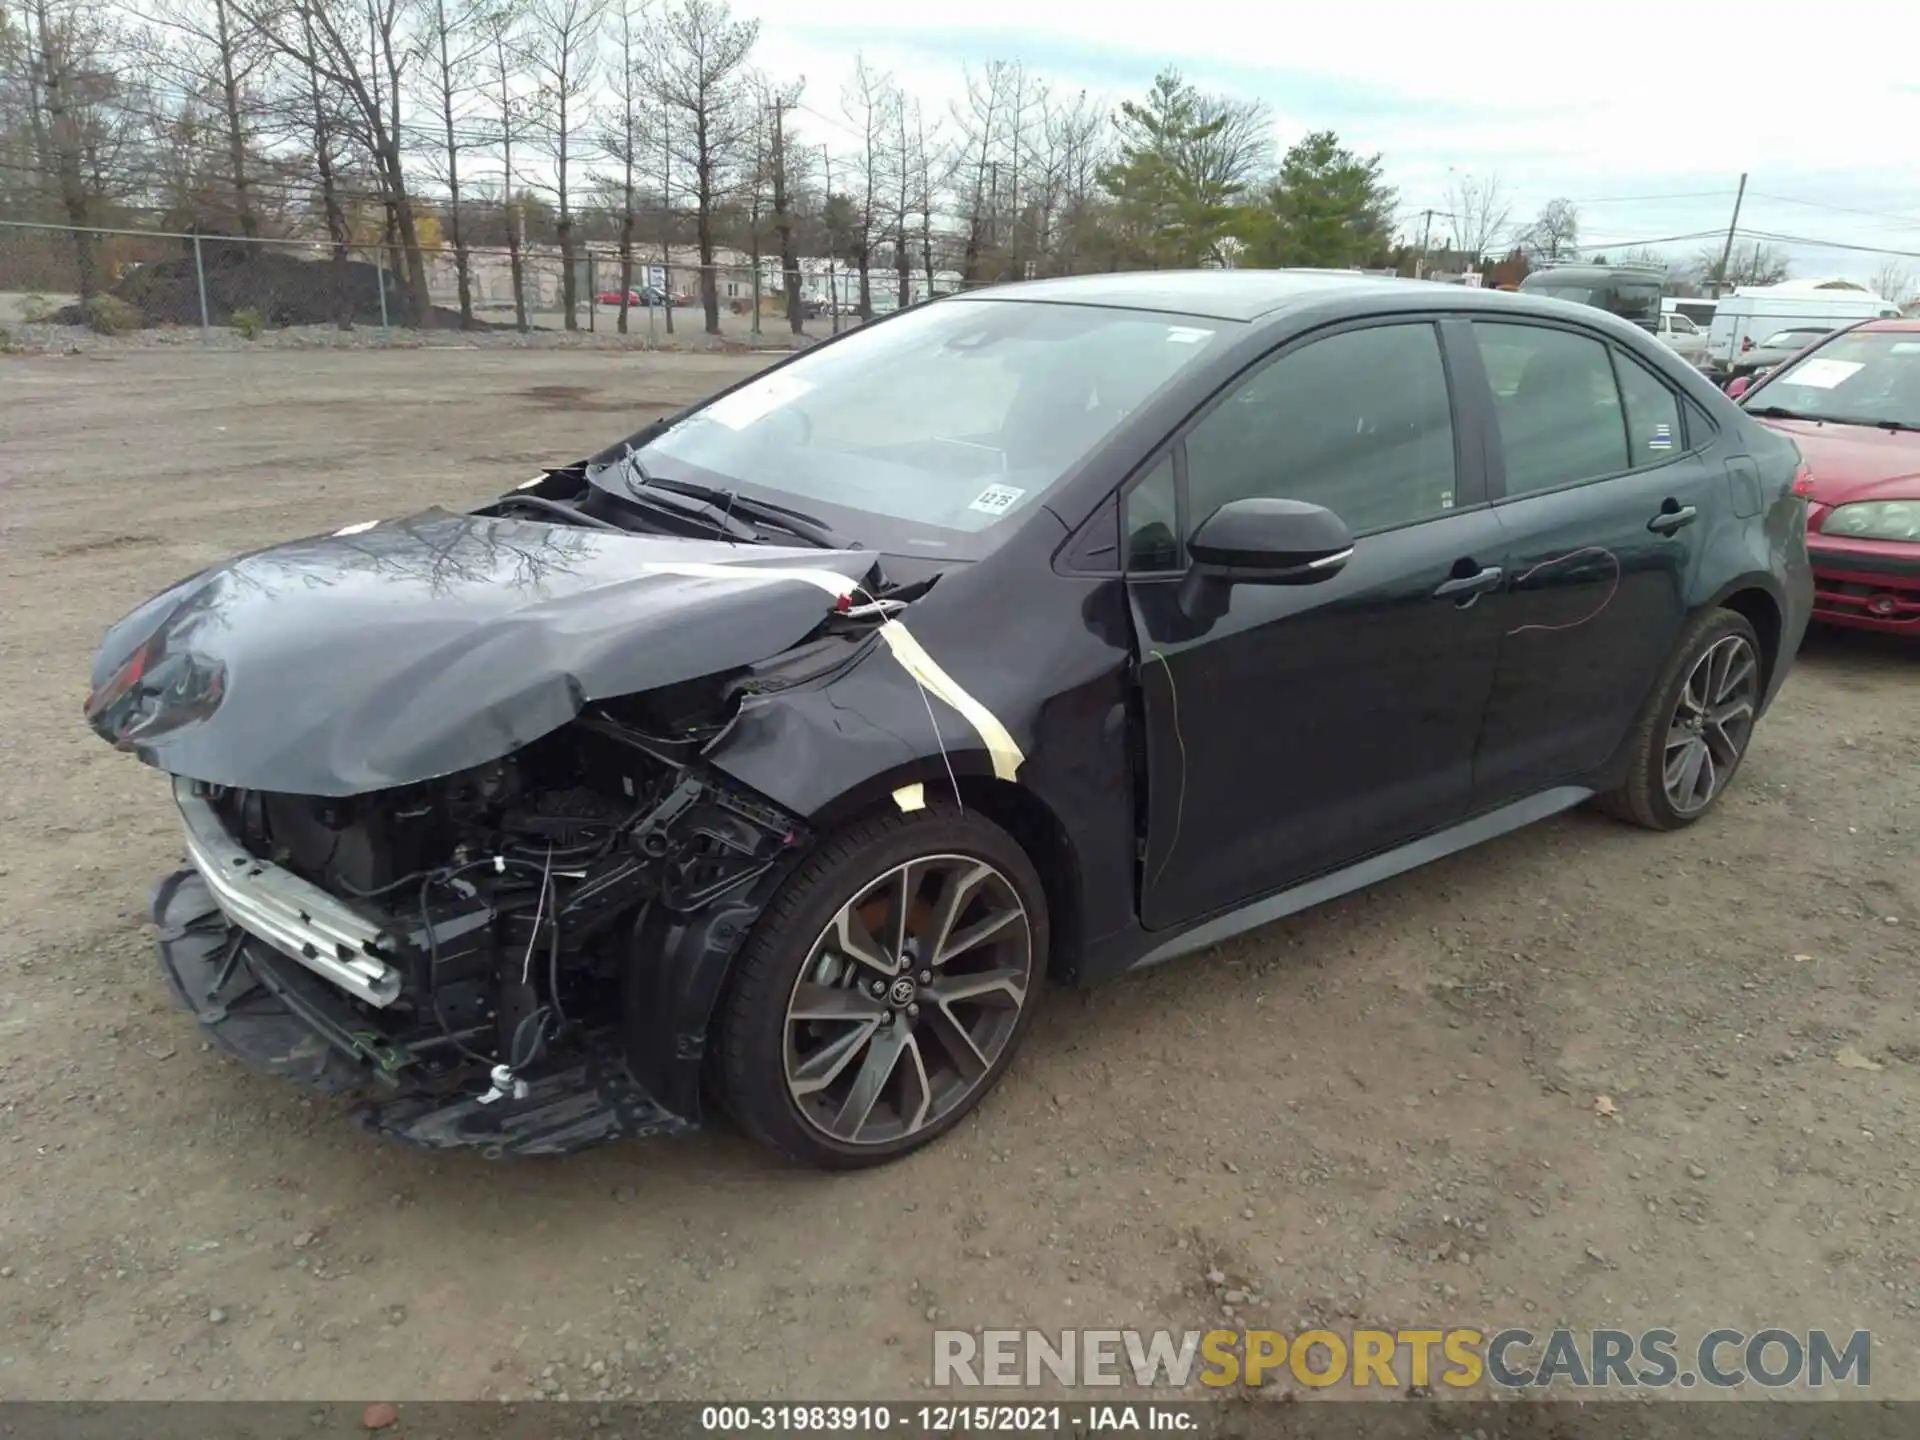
{"points": [[753, 224], [666, 215], [1426, 233], [833, 278], [1726, 253], [782, 219]]}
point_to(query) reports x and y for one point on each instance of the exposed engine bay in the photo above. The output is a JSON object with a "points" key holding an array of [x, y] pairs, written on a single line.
{"points": [[511, 898]]}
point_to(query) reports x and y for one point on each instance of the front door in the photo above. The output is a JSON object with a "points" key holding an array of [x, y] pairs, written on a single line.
{"points": [[1604, 494], [1313, 725]]}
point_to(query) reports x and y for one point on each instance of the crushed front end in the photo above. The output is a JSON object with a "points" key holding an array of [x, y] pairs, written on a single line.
{"points": [[518, 957]]}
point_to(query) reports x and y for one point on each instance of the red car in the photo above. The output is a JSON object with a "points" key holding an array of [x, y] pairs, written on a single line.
{"points": [[640, 299], [1852, 405]]}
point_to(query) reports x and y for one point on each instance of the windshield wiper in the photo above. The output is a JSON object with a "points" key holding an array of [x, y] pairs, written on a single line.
{"points": [[795, 522], [644, 491], [1780, 412]]}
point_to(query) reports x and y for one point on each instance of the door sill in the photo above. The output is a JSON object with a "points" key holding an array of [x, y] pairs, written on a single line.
{"points": [[1370, 871]]}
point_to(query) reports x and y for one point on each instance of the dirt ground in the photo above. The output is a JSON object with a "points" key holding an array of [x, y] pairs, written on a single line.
{"points": [[1385, 1110]]}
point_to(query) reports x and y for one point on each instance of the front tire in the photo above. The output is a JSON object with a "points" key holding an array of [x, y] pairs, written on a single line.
{"points": [[1695, 728], [885, 990]]}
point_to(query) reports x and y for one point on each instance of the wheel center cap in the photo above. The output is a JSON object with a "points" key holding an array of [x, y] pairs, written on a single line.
{"points": [[903, 991]]}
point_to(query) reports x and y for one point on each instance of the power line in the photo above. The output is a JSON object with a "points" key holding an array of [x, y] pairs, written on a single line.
{"points": [[1651, 199], [1817, 244], [1910, 220]]}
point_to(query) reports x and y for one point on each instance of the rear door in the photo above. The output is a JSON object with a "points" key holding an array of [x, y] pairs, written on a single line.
{"points": [[1605, 501]]}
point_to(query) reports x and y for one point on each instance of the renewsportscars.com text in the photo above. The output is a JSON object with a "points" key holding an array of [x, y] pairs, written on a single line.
{"points": [[1510, 1359]]}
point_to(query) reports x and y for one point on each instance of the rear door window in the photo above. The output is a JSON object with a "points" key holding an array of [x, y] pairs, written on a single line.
{"points": [[1654, 435], [1557, 406]]}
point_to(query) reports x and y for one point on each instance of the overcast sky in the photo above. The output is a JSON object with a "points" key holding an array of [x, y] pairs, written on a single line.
{"points": [[1631, 99]]}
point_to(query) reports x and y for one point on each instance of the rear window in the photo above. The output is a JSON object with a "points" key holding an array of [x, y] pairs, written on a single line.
{"points": [[1631, 299]]}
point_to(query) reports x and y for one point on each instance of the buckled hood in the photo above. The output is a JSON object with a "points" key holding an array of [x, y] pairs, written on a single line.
{"points": [[388, 654]]}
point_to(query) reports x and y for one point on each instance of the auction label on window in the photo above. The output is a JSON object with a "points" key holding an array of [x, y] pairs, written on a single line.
{"points": [[1823, 374], [996, 499]]}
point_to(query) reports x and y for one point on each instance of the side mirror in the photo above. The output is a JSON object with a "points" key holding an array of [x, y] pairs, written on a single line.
{"points": [[1739, 386], [1261, 541]]}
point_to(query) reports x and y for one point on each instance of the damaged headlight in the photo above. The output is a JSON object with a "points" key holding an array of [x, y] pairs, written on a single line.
{"points": [[1875, 520], [155, 691]]}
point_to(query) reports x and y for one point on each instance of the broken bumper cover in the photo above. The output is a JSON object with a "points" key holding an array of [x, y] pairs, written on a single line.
{"points": [[272, 1011]]}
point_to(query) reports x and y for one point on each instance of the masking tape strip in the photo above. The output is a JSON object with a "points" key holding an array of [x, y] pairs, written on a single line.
{"points": [[1007, 758], [835, 585]]}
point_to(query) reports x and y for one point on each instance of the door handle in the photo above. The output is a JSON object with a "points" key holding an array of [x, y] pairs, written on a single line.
{"points": [[1673, 516], [1467, 588]]}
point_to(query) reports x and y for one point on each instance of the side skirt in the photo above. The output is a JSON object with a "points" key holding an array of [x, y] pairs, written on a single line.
{"points": [[1367, 872]]}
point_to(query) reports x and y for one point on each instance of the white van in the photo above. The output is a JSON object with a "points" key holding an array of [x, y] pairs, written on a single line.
{"points": [[1753, 312]]}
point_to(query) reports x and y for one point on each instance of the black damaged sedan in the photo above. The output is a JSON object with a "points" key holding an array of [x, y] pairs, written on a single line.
{"points": [[779, 755]]}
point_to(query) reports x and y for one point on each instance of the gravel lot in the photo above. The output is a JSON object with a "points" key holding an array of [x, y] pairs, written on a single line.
{"points": [[1388, 1110]]}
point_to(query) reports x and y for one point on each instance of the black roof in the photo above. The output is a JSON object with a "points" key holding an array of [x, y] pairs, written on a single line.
{"points": [[1215, 294]]}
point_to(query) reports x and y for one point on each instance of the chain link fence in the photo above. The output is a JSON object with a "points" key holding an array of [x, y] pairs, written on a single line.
{"points": [[155, 280]]}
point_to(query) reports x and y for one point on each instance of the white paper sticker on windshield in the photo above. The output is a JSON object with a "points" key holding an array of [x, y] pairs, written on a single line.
{"points": [[1820, 374], [996, 499], [749, 403], [1904, 347], [1186, 335]]}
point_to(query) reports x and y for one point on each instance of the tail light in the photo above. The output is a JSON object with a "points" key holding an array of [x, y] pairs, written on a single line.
{"points": [[1803, 483], [1746, 343]]}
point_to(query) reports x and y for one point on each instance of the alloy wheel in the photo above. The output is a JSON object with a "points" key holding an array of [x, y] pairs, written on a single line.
{"points": [[907, 999], [1711, 724]]}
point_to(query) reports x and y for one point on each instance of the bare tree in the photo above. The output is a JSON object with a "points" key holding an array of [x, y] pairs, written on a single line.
{"points": [[870, 102], [1023, 120], [1482, 211], [503, 48], [907, 168], [979, 120], [626, 135], [326, 37], [77, 129], [565, 57], [697, 73], [453, 42], [1894, 281], [1073, 150], [1756, 263], [212, 50], [323, 122], [927, 149], [1555, 233]]}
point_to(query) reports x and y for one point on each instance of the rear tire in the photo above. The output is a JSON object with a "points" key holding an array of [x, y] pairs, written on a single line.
{"points": [[1693, 732], [885, 990]]}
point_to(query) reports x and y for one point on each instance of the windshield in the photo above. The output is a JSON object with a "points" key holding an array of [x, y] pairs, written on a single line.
{"points": [[918, 435], [1860, 378], [1635, 300]]}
